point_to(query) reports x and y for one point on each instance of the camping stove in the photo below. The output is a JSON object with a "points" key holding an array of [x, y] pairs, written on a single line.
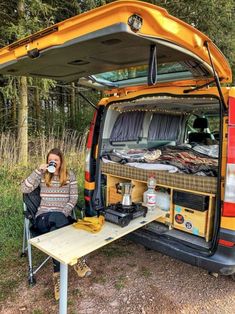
{"points": [[122, 214]]}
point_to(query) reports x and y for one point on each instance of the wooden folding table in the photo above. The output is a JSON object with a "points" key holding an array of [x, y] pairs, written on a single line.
{"points": [[68, 244]]}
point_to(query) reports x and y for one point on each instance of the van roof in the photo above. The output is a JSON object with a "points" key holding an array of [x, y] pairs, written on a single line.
{"points": [[110, 47]]}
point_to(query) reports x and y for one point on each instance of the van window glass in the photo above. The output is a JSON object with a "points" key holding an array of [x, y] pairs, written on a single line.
{"points": [[164, 127], [127, 127], [142, 71], [213, 125]]}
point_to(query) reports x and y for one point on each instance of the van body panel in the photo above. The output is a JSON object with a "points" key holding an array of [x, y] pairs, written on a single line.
{"points": [[228, 223], [79, 51], [89, 185], [227, 235]]}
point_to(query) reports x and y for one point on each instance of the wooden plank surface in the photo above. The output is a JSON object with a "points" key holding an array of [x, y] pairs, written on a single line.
{"points": [[68, 244]]}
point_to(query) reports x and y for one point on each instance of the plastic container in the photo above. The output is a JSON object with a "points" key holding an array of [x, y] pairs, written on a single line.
{"points": [[150, 196], [163, 200]]}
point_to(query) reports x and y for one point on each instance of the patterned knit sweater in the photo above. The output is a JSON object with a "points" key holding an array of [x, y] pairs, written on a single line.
{"points": [[54, 198]]}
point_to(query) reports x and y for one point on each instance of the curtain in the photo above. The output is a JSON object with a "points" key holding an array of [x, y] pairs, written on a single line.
{"points": [[164, 127], [127, 127]]}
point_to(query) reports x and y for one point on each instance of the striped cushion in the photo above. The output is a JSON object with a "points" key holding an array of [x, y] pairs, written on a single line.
{"points": [[176, 180]]}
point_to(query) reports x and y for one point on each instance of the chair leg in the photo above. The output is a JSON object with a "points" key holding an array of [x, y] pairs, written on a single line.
{"points": [[31, 278], [24, 248]]}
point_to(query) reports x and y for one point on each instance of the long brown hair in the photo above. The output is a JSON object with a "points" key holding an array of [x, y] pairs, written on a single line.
{"points": [[63, 173]]}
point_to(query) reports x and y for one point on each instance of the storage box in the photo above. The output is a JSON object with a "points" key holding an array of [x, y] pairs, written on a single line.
{"points": [[190, 220], [191, 200]]}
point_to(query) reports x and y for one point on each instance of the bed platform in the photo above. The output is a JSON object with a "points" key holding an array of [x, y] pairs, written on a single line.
{"points": [[172, 180]]}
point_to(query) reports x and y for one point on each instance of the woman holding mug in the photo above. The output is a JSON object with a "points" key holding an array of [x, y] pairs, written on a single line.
{"points": [[59, 195]]}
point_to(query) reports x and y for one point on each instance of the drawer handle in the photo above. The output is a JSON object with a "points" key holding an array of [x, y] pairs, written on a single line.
{"points": [[189, 211]]}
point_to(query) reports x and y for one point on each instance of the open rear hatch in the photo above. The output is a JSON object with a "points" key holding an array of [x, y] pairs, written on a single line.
{"points": [[123, 44], [112, 46]]}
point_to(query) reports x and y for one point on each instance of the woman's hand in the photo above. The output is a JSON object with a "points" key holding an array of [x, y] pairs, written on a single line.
{"points": [[43, 167]]}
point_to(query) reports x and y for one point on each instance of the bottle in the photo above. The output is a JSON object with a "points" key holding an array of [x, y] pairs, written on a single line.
{"points": [[150, 196]]}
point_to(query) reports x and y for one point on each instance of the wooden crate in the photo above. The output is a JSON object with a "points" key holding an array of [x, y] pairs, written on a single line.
{"points": [[190, 220]]}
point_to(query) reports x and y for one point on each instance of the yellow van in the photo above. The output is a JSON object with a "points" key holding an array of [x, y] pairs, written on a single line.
{"points": [[165, 115]]}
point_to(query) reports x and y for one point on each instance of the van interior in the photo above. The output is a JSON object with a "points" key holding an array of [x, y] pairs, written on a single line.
{"points": [[176, 140]]}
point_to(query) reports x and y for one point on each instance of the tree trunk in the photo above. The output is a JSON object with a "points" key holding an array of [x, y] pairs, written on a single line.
{"points": [[23, 121], [37, 108], [73, 104], [13, 112], [23, 104]]}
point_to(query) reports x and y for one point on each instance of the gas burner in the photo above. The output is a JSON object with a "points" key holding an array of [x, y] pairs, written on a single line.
{"points": [[125, 208], [123, 214]]}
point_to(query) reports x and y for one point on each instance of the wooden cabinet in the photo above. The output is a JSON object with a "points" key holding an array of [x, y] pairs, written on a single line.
{"points": [[112, 195], [196, 222], [190, 220]]}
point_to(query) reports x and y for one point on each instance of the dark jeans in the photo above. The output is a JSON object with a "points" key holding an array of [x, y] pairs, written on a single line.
{"points": [[51, 221]]}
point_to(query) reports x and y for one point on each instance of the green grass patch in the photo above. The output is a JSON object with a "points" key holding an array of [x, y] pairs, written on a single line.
{"points": [[120, 283], [11, 213], [11, 230], [77, 292], [6, 287], [37, 311], [100, 280], [114, 250], [145, 272]]}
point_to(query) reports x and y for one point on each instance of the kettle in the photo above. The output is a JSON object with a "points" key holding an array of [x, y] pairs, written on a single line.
{"points": [[125, 188]]}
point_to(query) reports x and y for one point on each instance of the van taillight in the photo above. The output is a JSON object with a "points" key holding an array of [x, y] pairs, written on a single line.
{"points": [[226, 243], [229, 195], [88, 148], [87, 164]]}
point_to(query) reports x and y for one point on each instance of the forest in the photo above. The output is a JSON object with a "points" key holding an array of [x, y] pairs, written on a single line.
{"points": [[34, 111]]}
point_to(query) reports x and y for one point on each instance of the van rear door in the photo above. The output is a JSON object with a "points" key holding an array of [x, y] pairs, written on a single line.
{"points": [[111, 46]]}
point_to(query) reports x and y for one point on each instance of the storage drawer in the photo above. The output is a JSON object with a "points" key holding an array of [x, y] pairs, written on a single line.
{"points": [[190, 220], [191, 200]]}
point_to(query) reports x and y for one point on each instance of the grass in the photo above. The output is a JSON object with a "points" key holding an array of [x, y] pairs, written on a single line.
{"points": [[13, 273], [100, 280], [11, 222], [145, 272], [120, 283], [37, 311], [114, 250], [6, 287], [11, 209]]}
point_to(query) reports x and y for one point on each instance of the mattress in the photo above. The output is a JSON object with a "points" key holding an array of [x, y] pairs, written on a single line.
{"points": [[176, 180]]}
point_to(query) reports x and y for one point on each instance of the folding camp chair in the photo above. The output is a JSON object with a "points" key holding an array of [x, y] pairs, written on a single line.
{"points": [[31, 202]]}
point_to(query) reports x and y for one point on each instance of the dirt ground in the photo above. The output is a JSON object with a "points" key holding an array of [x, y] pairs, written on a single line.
{"points": [[126, 278]]}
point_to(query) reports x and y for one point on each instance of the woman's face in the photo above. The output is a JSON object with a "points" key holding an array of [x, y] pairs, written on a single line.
{"points": [[57, 161]]}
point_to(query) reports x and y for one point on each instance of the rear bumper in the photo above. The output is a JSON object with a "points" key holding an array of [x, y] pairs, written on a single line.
{"points": [[222, 261]]}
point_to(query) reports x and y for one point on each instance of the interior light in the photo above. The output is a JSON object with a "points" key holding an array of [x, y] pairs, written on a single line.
{"points": [[135, 22]]}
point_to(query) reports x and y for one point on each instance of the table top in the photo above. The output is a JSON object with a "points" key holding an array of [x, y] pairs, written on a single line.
{"points": [[69, 243]]}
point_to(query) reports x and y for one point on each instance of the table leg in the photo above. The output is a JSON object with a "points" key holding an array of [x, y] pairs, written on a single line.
{"points": [[63, 288]]}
